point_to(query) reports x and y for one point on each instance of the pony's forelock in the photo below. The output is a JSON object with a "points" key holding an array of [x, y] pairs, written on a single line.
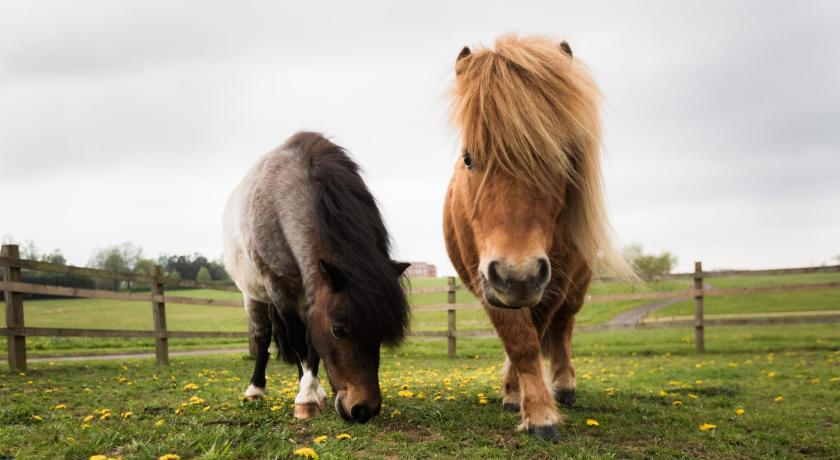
{"points": [[530, 110]]}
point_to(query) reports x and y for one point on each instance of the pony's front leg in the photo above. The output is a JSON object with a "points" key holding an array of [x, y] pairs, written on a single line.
{"points": [[261, 325], [311, 398], [521, 341]]}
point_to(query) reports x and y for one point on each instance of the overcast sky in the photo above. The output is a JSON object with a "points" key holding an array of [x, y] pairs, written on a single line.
{"points": [[133, 121]]}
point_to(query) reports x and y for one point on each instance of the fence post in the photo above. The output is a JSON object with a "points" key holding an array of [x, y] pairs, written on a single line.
{"points": [[159, 318], [699, 340], [450, 314], [15, 342]]}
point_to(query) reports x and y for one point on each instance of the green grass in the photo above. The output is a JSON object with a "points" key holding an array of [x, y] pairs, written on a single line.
{"points": [[620, 378], [824, 299]]}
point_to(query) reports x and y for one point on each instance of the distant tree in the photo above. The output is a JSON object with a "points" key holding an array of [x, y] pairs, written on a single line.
{"points": [[55, 257], [836, 258], [217, 270], [650, 266], [144, 266], [174, 275], [203, 275], [120, 258]]}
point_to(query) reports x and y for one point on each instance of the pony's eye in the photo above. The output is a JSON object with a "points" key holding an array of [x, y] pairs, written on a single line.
{"points": [[468, 162], [340, 332]]}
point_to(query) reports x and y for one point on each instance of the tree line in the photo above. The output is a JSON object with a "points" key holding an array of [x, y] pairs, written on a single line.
{"points": [[123, 258]]}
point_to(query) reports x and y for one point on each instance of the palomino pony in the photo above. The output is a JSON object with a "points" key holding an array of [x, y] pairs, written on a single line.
{"points": [[305, 243], [524, 218]]}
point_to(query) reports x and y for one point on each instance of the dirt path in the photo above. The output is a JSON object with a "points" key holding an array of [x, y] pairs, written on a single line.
{"points": [[636, 315], [217, 351]]}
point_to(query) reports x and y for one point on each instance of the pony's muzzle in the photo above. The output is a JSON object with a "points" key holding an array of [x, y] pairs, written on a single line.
{"points": [[516, 286], [359, 412]]}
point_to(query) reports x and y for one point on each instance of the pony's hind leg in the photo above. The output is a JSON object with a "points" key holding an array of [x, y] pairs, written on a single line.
{"points": [[261, 326], [560, 353], [511, 396], [521, 341], [559, 338]]}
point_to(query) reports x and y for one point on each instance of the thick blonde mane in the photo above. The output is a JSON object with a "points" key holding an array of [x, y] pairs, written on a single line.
{"points": [[530, 110]]}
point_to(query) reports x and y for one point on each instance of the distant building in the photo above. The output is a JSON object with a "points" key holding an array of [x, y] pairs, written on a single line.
{"points": [[421, 270]]}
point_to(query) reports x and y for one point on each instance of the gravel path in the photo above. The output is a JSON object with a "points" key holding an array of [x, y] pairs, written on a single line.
{"points": [[635, 315]]}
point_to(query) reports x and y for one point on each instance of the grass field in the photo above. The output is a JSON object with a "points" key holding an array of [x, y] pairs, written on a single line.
{"points": [[111, 314], [647, 390]]}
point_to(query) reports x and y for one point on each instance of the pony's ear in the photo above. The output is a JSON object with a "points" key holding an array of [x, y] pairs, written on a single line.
{"points": [[465, 52], [332, 274], [564, 47], [400, 267]]}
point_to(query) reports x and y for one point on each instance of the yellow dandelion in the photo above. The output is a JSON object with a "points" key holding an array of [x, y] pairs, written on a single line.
{"points": [[306, 452], [771, 374], [740, 411], [190, 387], [105, 416], [160, 423], [815, 381], [343, 436], [677, 402], [437, 398], [663, 393], [395, 413], [276, 407], [206, 408], [169, 457], [450, 398], [320, 439], [85, 426], [127, 414], [37, 418], [405, 393], [483, 401], [592, 422], [706, 426], [97, 457], [778, 398]]}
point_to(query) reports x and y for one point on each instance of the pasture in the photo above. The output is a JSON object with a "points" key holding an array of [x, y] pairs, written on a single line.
{"points": [[649, 393], [768, 391]]}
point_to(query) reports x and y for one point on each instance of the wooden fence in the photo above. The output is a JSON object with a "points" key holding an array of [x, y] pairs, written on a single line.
{"points": [[16, 331]]}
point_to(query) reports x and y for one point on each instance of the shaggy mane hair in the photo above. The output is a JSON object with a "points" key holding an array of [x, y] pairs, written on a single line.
{"points": [[530, 110], [355, 240]]}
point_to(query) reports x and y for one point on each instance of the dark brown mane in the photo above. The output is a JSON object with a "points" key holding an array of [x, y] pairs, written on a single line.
{"points": [[355, 240]]}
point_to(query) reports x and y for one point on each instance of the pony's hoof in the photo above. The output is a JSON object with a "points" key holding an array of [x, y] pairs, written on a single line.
{"points": [[254, 393], [548, 433], [510, 407], [307, 410], [322, 404], [565, 397]]}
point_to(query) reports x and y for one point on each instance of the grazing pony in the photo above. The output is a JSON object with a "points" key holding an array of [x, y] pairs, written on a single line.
{"points": [[305, 243], [524, 219]]}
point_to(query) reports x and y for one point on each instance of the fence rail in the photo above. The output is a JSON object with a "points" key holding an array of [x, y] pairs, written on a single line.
{"points": [[16, 331]]}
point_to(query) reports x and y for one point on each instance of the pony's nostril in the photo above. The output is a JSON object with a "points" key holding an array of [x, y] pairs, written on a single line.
{"points": [[543, 272], [493, 276], [361, 413]]}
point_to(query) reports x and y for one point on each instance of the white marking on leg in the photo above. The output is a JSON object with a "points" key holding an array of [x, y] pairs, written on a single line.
{"points": [[311, 391], [254, 392]]}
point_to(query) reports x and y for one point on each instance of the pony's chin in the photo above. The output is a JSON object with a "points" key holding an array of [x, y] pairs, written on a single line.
{"points": [[493, 300]]}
